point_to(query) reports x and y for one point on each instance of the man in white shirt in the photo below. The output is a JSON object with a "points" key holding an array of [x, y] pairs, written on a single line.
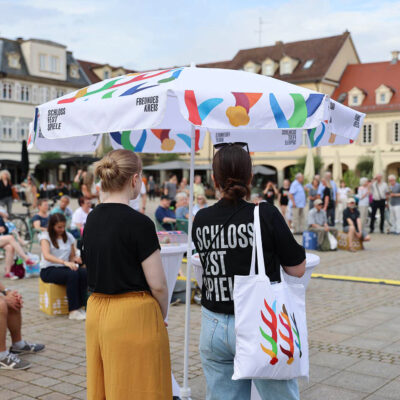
{"points": [[139, 204], [380, 192], [80, 214]]}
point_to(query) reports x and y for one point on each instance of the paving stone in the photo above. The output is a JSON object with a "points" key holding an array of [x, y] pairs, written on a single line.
{"points": [[55, 396], [6, 394], [45, 382], [333, 360], [368, 367], [391, 390], [33, 390], [66, 388], [325, 392]]}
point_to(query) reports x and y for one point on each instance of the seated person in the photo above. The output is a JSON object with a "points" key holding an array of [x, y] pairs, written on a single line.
{"points": [[318, 223], [352, 224], [11, 246], [80, 215], [164, 215], [41, 219], [59, 265], [10, 317], [201, 202], [182, 209], [12, 229], [63, 209]]}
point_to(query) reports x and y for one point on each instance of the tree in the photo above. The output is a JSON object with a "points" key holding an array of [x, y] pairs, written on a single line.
{"points": [[351, 179], [47, 156], [365, 166], [301, 163], [165, 157]]}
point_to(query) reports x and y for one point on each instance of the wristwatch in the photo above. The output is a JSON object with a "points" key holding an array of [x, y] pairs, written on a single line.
{"points": [[5, 291]]}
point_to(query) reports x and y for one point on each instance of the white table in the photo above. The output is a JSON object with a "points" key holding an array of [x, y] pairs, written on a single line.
{"points": [[171, 256], [312, 260]]}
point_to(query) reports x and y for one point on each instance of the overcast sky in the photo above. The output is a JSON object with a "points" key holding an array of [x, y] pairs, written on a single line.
{"points": [[155, 33]]}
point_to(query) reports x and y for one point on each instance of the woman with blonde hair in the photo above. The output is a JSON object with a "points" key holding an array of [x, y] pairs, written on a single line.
{"points": [[30, 192], [5, 190], [364, 190], [127, 346], [88, 188]]}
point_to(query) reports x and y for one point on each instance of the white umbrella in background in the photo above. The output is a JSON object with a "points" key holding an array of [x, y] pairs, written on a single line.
{"points": [[337, 168], [378, 165], [170, 111], [309, 169]]}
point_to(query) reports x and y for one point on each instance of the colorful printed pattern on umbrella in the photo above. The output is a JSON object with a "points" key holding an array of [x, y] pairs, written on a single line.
{"points": [[147, 81], [239, 114]]}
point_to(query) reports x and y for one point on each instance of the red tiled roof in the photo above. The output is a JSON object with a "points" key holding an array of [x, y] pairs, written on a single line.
{"points": [[89, 66], [368, 77], [322, 51]]}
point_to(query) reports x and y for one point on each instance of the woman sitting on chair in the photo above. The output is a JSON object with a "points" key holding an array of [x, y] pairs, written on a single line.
{"points": [[59, 264]]}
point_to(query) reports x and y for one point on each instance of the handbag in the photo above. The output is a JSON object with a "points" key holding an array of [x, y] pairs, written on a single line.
{"points": [[270, 323], [332, 241]]}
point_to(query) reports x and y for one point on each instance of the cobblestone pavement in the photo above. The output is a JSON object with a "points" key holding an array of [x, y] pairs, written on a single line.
{"points": [[354, 336]]}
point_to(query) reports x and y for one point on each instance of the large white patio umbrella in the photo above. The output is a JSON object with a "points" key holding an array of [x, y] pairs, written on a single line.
{"points": [[309, 168], [378, 165], [337, 168], [170, 111]]}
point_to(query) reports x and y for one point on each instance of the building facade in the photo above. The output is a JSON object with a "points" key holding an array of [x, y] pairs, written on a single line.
{"points": [[32, 72], [374, 89], [316, 64]]}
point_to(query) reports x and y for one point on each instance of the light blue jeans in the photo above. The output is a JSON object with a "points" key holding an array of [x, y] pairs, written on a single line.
{"points": [[217, 351]]}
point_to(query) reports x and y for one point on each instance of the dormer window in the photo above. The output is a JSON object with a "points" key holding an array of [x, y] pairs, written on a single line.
{"points": [[285, 67], [308, 64], [42, 62], [14, 60], [54, 64], [354, 100], [383, 94], [106, 74], [74, 71], [356, 96], [383, 97]]}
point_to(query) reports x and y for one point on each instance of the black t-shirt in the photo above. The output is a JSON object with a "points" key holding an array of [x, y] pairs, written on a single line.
{"points": [[116, 240], [353, 215], [328, 192], [284, 200], [231, 252], [270, 196]]}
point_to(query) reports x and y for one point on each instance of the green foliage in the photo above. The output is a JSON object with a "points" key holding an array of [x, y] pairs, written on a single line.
{"points": [[294, 170], [165, 157], [365, 166], [49, 155], [351, 179], [318, 164]]}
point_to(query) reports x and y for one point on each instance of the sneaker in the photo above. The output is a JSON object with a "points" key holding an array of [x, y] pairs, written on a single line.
{"points": [[13, 362], [77, 315], [83, 312], [28, 348], [9, 275]]}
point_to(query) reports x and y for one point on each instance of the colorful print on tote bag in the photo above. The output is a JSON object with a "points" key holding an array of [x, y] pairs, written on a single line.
{"points": [[270, 323]]}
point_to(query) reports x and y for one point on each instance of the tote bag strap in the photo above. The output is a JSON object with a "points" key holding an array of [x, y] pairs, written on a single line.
{"points": [[257, 246]]}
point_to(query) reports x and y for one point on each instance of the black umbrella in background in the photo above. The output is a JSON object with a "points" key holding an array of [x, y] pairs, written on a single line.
{"points": [[24, 160]]}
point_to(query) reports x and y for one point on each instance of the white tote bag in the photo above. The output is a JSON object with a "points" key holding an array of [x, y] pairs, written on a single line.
{"points": [[332, 241], [270, 323]]}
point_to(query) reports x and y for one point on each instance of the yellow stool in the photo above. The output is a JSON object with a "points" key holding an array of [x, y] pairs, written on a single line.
{"points": [[343, 242], [53, 298]]}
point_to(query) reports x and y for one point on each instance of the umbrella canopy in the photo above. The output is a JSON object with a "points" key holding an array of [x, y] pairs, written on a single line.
{"points": [[260, 169], [24, 160], [309, 169], [170, 111], [378, 165], [337, 168]]}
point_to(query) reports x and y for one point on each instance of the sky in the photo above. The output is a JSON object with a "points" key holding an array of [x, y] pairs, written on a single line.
{"points": [[143, 35]]}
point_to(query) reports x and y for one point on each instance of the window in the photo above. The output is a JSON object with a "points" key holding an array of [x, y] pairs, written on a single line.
{"points": [[44, 95], [25, 93], [396, 132], [7, 91], [13, 61], [23, 129], [286, 67], [367, 134], [106, 74], [308, 64], [42, 62], [54, 64], [74, 71], [342, 97], [354, 100], [382, 98], [35, 99], [7, 129], [268, 69], [59, 93]]}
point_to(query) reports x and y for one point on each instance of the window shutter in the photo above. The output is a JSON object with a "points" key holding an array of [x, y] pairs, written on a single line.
{"points": [[390, 133], [375, 133]]}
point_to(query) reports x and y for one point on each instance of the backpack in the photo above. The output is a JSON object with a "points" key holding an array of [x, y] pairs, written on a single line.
{"points": [[18, 268]]}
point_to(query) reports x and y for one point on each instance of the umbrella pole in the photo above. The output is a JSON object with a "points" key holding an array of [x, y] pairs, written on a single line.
{"points": [[185, 391]]}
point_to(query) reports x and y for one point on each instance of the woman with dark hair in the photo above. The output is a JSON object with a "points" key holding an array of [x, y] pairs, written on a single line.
{"points": [[59, 264], [223, 236], [6, 190]]}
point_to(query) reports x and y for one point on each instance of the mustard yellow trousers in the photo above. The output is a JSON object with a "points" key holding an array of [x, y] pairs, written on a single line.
{"points": [[127, 348]]}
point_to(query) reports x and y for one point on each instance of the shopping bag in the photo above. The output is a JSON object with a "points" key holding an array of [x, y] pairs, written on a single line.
{"points": [[332, 241], [33, 270], [270, 323]]}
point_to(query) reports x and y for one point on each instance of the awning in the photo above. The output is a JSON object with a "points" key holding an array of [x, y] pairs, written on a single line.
{"points": [[172, 165], [260, 169]]}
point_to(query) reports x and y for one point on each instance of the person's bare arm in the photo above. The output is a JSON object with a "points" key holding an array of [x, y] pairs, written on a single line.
{"points": [[167, 220], [36, 225], [291, 197], [45, 247], [86, 192], [155, 277], [297, 270]]}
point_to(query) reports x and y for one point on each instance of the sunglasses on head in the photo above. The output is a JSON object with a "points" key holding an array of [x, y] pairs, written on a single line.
{"points": [[219, 146]]}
